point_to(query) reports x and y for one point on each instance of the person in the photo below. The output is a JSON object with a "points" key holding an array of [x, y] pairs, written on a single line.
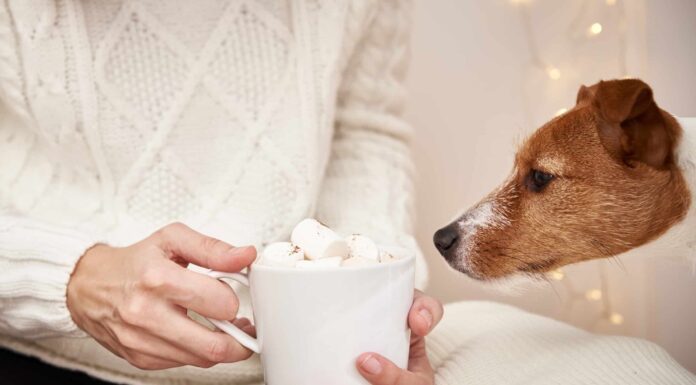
{"points": [[138, 137]]}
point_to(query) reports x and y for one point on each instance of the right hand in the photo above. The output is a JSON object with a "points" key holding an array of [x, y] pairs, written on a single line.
{"points": [[133, 300]]}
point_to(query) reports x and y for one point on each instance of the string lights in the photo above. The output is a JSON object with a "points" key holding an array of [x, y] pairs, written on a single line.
{"points": [[593, 295], [594, 29], [553, 72], [601, 294]]}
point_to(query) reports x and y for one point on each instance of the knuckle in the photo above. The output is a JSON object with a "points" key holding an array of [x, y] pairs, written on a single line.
{"points": [[141, 362], [432, 304], [217, 350], [126, 355], [171, 229], [132, 359], [128, 340], [154, 278], [174, 226], [133, 311]]}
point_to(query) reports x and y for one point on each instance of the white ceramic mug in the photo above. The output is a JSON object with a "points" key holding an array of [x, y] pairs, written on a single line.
{"points": [[313, 324]]}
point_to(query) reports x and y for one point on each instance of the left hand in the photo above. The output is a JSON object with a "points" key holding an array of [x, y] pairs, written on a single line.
{"points": [[424, 315]]}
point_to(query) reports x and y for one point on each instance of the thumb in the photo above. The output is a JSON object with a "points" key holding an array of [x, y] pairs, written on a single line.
{"points": [[378, 370], [194, 247]]}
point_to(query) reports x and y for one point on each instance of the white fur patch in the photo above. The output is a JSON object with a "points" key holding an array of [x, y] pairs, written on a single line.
{"points": [[516, 284], [482, 216]]}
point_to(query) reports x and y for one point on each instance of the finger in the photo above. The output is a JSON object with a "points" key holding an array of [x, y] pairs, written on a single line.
{"points": [[205, 295], [147, 362], [378, 370], [426, 312], [241, 322], [202, 250], [418, 361], [209, 345], [141, 361], [246, 326], [137, 340]]}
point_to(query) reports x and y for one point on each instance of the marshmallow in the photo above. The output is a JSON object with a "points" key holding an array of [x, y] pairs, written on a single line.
{"points": [[323, 263], [281, 254], [358, 261], [362, 246], [385, 257], [318, 241]]}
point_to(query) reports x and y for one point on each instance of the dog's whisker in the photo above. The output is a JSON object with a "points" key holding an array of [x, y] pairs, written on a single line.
{"points": [[611, 257], [618, 262]]}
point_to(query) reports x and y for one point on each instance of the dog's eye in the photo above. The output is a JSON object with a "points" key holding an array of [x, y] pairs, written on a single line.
{"points": [[537, 180]]}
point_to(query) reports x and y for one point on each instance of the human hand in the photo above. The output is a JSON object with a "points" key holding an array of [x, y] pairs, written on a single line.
{"points": [[426, 312], [133, 300]]}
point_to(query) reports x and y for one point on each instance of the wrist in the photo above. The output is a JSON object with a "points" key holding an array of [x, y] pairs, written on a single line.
{"points": [[75, 283]]}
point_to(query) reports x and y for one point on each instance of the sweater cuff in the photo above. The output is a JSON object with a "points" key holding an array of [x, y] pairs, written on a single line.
{"points": [[37, 260]]}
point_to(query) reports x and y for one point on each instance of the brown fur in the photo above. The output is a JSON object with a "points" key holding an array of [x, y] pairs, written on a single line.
{"points": [[615, 186]]}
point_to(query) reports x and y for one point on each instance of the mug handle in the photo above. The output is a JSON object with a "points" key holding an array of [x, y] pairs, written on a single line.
{"points": [[246, 340]]}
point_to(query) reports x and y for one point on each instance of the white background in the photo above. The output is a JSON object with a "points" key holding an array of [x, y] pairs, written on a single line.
{"points": [[474, 94]]}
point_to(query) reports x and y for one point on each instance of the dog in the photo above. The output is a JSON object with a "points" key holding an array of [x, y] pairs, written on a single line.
{"points": [[614, 176]]}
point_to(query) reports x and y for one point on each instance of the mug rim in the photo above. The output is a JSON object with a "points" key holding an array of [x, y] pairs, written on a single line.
{"points": [[401, 261]]}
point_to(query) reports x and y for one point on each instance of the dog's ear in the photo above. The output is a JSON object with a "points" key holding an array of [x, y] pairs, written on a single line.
{"points": [[585, 94], [631, 125]]}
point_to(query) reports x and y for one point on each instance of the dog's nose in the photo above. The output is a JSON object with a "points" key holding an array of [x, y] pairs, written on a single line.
{"points": [[446, 238]]}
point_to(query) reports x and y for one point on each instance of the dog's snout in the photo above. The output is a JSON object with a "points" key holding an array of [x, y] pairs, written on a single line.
{"points": [[446, 238]]}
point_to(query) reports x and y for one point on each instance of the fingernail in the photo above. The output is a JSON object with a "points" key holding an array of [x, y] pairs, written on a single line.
{"points": [[426, 316], [236, 251], [371, 365]]}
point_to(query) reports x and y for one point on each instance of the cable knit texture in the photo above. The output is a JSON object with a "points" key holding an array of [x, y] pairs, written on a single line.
{"points": [[238, 118], [128, 115]]}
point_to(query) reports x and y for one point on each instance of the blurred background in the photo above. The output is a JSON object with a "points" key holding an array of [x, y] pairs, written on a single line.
{"points": [[484, 74]]}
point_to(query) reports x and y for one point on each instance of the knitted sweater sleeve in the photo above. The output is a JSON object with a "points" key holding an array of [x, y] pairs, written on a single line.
{"points": [[37, 259], [38, 245], [368, 184], [37, 256]]}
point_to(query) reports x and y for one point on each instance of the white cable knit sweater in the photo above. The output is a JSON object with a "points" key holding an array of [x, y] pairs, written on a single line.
{"points": [[238, 118]]}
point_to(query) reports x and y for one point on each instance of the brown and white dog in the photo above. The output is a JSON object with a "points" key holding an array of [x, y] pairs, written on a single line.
{"points": [[614, 175]]}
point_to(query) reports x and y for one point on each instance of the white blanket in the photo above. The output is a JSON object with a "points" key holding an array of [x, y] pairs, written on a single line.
{"points": [[477, 343], [484, 343]]}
